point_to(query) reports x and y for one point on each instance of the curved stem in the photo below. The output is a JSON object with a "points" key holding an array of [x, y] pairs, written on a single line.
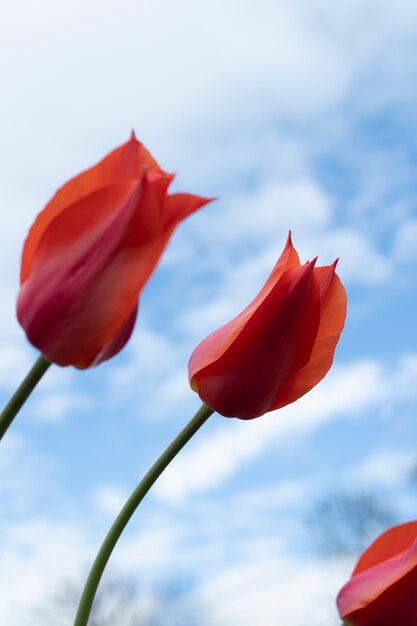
{"points": [[129, 508], [22, 393]]}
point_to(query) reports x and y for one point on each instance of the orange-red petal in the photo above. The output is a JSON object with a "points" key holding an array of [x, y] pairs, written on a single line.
{"points": [[178, 206], [387, 545], [218, 342], [383, 593], [276, 340], [87, 274], [128, 161], [64, 304], [333, 303], [115, 344]]}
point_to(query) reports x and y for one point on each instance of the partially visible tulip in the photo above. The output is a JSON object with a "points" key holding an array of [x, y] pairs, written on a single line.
{"points": [[382, 590], [90, 252], [278, 348]]}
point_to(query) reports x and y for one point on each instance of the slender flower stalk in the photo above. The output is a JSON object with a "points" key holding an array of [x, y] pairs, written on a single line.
{"points": [[22, 393], [128, 510]]}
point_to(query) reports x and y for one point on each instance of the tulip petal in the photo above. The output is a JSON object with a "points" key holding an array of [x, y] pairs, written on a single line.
{"points": [[219, 341], [387, 545], [82, 289], [74, 235], [115, 344], [384, 594], [178, 206], [126, 162], [332, 318], [276, 339]]}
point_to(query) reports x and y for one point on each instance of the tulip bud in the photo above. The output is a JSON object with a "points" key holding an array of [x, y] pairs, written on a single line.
{"points": [[279, 347], [90, 252]]}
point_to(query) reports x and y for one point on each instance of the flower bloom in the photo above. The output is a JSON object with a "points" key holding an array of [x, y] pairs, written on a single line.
{"points": [[382, 590], [278, 348], [90, 252]]}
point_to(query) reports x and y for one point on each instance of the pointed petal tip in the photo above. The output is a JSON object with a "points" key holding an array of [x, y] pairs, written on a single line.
{"points": [[289, 243], [334, 264], [155, 176], [133, 135], [308, 266], [202, 201]]}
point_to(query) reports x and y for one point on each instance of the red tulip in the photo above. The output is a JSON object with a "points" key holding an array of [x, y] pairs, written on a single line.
{"points": [[382, 590], [90, 252], [278, 348]]}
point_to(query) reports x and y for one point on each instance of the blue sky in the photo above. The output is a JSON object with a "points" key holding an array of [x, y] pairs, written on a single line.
{"points": [[298, 116]]}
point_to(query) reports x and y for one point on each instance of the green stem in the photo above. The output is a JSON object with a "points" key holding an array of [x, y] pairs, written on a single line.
{"points": [[22, 393], [129, 508]]}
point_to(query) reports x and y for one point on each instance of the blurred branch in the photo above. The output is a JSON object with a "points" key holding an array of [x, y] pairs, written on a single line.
{"points": [[119, 601], [345, 523]]}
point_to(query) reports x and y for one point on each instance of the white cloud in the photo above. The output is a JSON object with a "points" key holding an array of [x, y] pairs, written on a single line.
{"points": [[56, 406], [156, 362], [405, 245], [300, 66], [156, 547], [109, 499], [360, 260], [15, 362], [274, 206], [385, 467], [403, 378], [24, 475], [275, 590], [54, 397], [285, 494], [34, 556], [262, 579]]}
